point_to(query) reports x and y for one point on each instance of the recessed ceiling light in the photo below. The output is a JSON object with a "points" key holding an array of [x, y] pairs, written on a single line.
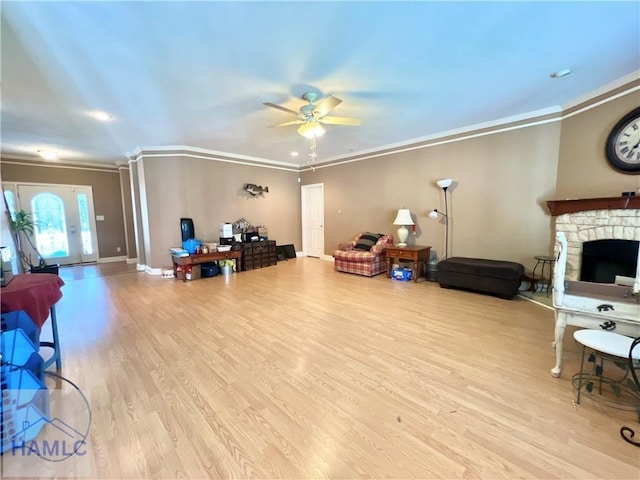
{"points": [[102, 116], [48, 154], [294, 154], [560, 73]]}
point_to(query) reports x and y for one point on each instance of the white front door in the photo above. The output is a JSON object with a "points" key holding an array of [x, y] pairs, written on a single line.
{"points": [[313, 220], [65, 230]]}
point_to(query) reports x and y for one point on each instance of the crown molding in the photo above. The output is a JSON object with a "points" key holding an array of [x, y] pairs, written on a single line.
{"points": [[603, 90], [516, 122], [13, 159], [530, 119], [206, 154]]}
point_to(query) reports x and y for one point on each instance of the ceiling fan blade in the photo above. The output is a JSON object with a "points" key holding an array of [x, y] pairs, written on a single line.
{"points": [[326, 105], [285, 124], [340, 120], [280, 107]]}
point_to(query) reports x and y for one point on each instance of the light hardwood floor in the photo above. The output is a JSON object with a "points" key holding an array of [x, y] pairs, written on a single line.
{"points": [[297, 371], [91, 270]]}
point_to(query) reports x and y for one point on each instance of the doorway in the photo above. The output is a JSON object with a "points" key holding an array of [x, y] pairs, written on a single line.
{"points": [[65, 230], [313, 220]]}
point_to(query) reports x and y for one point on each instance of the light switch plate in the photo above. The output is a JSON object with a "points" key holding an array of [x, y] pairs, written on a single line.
{"points": [[100, 218]]}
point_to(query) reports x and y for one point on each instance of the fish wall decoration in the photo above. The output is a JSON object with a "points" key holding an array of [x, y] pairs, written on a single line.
{"points": [[255, 189]]}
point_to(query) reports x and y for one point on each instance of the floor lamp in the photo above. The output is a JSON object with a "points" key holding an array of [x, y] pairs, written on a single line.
{"points": [[444, 185]]}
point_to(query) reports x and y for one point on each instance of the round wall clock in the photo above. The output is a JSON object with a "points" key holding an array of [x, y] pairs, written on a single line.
{"points": [[623, 143]]}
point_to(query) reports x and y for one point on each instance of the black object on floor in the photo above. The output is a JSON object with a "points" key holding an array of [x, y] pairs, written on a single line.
{"points": [[55, 269], [285, 251], [495, 277], [209, 269]]}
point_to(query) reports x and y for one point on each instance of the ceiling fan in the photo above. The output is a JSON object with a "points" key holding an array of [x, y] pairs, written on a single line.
{"points": [[311, 116]]}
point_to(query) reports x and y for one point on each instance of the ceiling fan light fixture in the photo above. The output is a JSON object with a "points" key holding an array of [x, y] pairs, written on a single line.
{"points": [[311, 130], [311, 116]]}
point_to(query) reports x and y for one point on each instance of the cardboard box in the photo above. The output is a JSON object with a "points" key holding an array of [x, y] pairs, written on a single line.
{"points": [[195, 274], [402, 274]]}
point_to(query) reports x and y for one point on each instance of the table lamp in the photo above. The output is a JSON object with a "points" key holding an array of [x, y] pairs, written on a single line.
{"points": [[403, 219]]}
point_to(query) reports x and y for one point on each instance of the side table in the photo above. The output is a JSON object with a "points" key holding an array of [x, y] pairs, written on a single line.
{"points": [[36, 294], [418, 254], [615, 348], [207, 257], [542, 262]]}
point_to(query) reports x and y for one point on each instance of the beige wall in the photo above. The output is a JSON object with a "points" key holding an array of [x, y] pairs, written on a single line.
{"points": [[496, 202], [210, 192], [107, 196], [583, 171], [501, 184]]}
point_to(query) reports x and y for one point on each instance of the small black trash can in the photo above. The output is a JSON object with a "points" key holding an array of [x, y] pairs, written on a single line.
{"points": [[209, 269]]}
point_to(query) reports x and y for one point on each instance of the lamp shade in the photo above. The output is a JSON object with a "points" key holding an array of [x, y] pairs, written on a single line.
{"points": [[403, 217], [444, 183]]}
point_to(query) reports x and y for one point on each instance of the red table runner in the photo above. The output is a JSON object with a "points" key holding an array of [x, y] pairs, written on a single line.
{"points": [[35, 293]]}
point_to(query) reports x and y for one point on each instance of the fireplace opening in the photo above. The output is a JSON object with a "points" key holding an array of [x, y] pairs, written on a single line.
{"points": [[602, 260]]}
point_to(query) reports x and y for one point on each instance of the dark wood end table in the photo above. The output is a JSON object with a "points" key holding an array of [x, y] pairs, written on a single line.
{"points": [[419, 255]]}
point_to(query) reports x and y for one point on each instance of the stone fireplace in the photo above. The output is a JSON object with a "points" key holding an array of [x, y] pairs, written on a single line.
{"points": [[590, 220]]}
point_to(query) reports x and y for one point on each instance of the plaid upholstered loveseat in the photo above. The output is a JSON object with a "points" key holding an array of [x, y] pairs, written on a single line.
{"points": [[364, 255]]}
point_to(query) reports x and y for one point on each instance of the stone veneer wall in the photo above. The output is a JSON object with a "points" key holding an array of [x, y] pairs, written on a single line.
{"points": [[592, 225]]}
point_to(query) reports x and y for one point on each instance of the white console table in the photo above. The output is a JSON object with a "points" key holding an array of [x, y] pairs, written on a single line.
{"points": [[591, 305]]}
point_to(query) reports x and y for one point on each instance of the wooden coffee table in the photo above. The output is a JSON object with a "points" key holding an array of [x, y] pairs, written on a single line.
{"points": [[419, 255]]}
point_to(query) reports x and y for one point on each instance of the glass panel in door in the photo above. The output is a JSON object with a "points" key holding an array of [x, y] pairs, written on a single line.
{"points": [[61, 235], [86, 235], [50, 226]]}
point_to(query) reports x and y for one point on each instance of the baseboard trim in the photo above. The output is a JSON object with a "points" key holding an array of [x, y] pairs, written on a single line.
{"points": [[153, 271], [141, 268], [123, 258], [132, 260], [536, 302]]}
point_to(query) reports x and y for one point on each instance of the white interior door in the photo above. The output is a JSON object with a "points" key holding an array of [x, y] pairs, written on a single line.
{"points": [[65, 230], [313, 220]]}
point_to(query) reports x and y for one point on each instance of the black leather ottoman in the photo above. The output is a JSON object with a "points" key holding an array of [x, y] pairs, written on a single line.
{"points": [[494, 277]]}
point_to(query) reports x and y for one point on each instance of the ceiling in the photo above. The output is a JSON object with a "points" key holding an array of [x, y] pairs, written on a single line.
{"points": [[197, 73]]}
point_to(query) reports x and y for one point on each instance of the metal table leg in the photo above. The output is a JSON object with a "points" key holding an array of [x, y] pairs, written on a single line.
{"points": [[55, 344]]}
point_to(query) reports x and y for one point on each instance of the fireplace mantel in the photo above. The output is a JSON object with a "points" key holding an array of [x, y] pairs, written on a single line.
{"points": [[559, 207]]}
